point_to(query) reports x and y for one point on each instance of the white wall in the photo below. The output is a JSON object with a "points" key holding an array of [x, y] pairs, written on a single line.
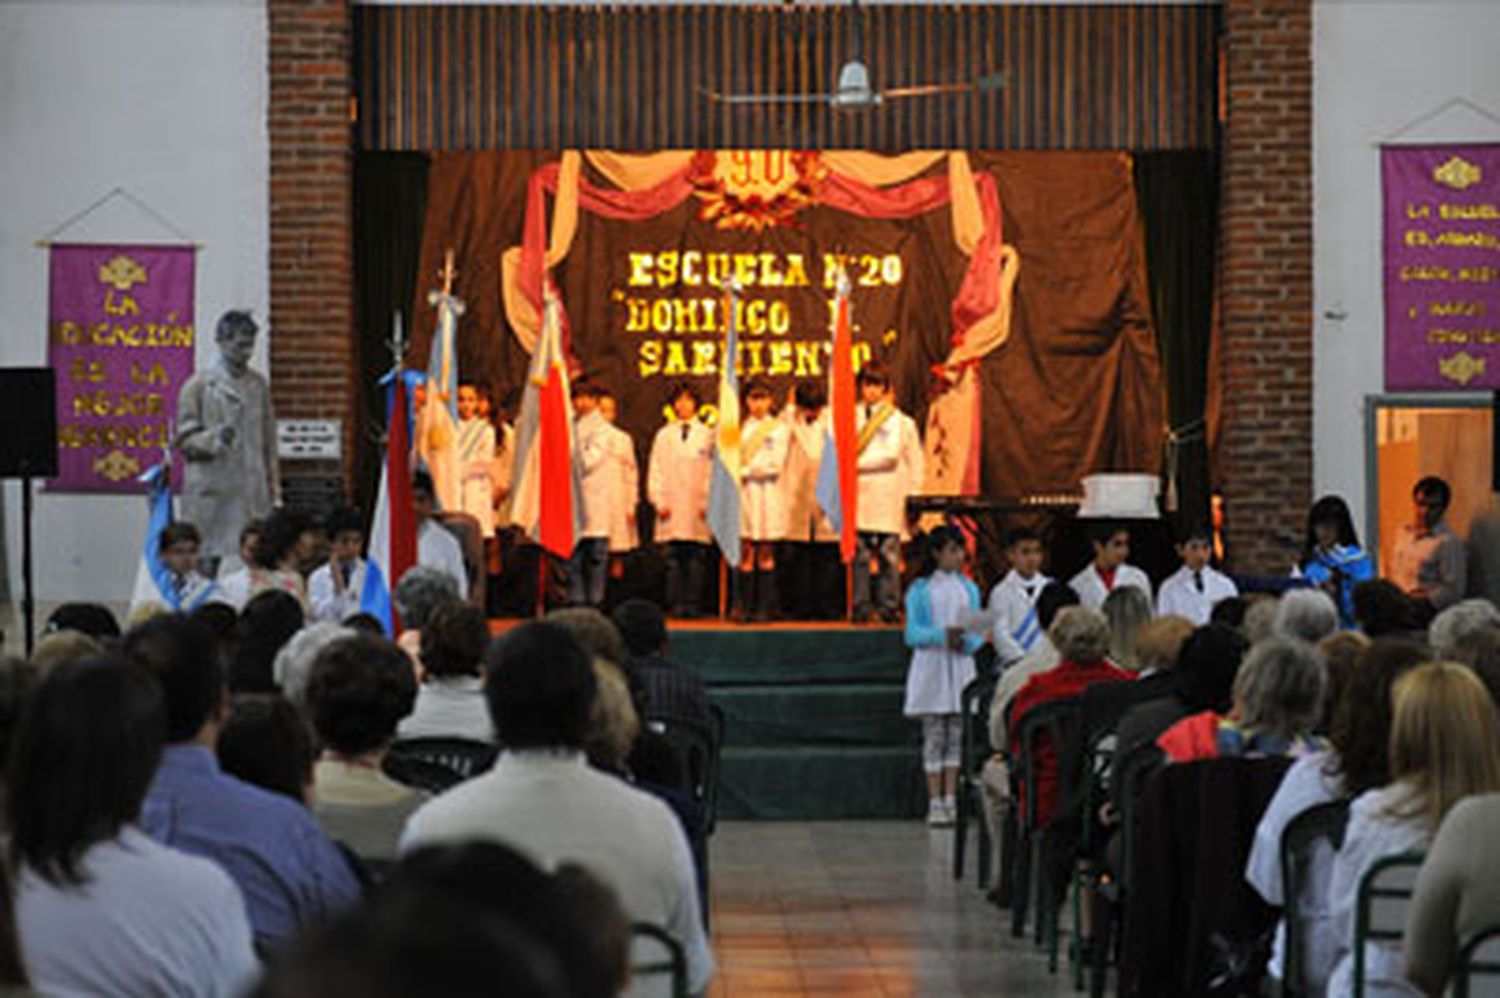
{"points": [[1377, 66], [169, 101]]}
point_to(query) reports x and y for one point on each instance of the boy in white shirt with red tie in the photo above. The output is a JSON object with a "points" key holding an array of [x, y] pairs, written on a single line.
{"points": [[1109, 570], [1195, 588]]}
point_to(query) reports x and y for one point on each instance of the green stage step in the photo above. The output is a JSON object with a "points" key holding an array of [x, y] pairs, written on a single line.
{"points": [[772, 655], [830, 714], [810, 783]]}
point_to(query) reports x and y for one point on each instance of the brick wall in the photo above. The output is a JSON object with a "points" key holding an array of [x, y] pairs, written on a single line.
{"points": [[1266, 280], [313, 344]]}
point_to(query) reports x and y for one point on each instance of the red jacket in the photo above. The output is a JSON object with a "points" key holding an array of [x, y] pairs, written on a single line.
{"points": [[1065, 681]]}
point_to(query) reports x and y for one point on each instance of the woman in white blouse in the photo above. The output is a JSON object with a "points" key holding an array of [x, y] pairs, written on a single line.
{"points": [[1445, 746], [102, 909]]}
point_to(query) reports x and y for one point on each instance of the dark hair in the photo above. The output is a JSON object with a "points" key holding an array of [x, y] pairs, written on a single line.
{"points": [[346, 520], [584, 388], [810, 395], [1434, 488], [1330, 509], [1480, 651], [874, 372], [1382, 608], [1102, 531], [188, 662], [1229, 611], [758, 388], [1017, 535], [454, 639], [267, 623], [1054, 598], [176, 533], [266, 741], [1360, 730], [938, 538], [1206, 667], [219, 618], [680, 389], [358, 691], [83, 759], [642, 625], [252, 528], [92, 619], [596, 632], [278, 536], [234, 321], [540, 686], [606, 925], [1195, 530], [17, 679], [365, 623], [421, 481]]}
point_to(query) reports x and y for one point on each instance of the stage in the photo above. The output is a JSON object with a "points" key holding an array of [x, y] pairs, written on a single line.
{"points": [[813, 723]]}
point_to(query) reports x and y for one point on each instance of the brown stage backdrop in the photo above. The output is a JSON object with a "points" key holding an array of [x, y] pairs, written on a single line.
{"points": [[1075, 389]]}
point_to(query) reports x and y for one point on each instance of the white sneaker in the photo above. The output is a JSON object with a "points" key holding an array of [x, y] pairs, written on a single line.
{"points": [[937, 816]]}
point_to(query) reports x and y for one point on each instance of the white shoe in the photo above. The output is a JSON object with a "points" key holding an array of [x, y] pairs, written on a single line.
{"points": [[937, 817]]}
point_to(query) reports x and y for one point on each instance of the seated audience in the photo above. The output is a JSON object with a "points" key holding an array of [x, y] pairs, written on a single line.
{"points": [[668, 691], [1480, 651], [1203, 680], [450, 700], [268, 622], [1230, 612], [1278, 697], [1458, 892], [420, 592], [596, 632], [1445, 746], [360, 688], [100, 908], [267, 742], [1126, 608], [1308, 615], [92, 619], [1381, 608], [543, 799], [1457, 622], [220, 618], [285, 539], [1357, 759], [1260, 617], [1157, 645], [1081, 636], [290, 872], [234, 587], [294, 662]]}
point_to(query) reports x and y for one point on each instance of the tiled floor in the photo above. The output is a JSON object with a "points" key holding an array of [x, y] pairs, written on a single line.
{"points": [[859, 908]]}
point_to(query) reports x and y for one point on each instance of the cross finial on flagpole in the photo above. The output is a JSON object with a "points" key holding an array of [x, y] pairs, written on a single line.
{"points": [[449, 272]]}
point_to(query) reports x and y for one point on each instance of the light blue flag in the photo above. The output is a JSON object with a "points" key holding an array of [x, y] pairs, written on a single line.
{"points": [[724, 498], [375, 597]]}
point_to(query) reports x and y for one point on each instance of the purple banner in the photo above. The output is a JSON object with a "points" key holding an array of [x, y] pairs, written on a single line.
{"points": [[1442, 267], [120, 337]]}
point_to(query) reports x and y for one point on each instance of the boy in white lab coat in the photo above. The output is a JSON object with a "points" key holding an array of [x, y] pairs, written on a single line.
{"points": [[677, 477], [334, 590], [622, 528], [1195, 588], [1109, 570], [592, 454], [884, 466], [476, 452], [1013, 600], [763, 450]]}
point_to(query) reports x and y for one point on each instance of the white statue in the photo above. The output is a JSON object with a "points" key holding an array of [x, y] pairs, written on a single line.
{"points": [[226, 433]]}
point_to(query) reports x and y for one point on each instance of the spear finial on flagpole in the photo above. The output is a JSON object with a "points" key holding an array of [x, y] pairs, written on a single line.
{"points": [[397, 343], [842, 285], [449, 272]]}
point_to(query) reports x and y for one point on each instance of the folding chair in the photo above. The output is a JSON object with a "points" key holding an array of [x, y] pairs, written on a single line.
{"points": [[1054, 721], [418, 761], [1384, 896], [1476, 972], [1134, 769], [974, 709], [1321, 825], [672, 961]]}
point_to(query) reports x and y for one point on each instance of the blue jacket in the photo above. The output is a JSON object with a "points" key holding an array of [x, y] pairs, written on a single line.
{"points": [[921, 632]]}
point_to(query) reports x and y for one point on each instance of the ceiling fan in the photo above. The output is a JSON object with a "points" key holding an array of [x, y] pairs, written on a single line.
{"points": [[853, 90]]}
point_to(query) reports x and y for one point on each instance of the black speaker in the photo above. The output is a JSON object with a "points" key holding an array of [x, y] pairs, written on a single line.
{"points": [[28, 422]]}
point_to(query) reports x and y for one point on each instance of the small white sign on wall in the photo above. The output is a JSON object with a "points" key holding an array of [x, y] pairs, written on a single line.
{"points": [[309, 439]]}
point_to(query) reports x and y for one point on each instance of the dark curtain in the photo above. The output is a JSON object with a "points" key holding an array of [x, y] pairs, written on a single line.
{"points": [[1178, 194], [390, 206]]}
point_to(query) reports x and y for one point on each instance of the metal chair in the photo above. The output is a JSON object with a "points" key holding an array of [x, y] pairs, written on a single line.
{"points": [[1380, 909], [438, 763], [673, 961], [1135, 768], [1321, 824], [1053, 720], [974, 710], [1476, 972]]}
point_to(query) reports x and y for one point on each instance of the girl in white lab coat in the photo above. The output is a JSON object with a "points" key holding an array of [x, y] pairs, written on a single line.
{"points": [[764, 441]]}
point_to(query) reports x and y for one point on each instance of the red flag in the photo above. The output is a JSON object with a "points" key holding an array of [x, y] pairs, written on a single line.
{"points": [[555, 453], [403, 539], [845, 438]]}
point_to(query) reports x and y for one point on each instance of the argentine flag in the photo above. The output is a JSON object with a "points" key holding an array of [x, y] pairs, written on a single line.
{"points": [[153, 580], [724, 496]]}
